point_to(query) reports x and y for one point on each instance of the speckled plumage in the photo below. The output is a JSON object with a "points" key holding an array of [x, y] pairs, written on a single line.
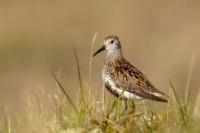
{"points": [[122, 78]]}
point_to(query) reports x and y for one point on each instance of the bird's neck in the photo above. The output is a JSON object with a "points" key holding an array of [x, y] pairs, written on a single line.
{"points": [[114, 54]]}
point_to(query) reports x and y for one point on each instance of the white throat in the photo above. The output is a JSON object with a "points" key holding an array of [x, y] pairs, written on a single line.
{"points": [[114, 53]]}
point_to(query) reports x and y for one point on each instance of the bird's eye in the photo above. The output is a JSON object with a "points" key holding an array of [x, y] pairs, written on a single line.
{"points": [[111, 41]]}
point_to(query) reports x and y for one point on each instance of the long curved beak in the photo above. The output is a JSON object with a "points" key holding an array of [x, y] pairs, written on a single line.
{"points": [[98, 51]]}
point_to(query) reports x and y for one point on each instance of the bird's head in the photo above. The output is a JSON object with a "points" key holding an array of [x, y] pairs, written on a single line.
{"points": [[110, 43]]}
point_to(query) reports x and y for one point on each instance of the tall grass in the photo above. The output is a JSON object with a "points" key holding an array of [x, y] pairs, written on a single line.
{"points": [[138, 117], [183, 102], [65, 93], [5, 125], [90, 63], [91, 115]]}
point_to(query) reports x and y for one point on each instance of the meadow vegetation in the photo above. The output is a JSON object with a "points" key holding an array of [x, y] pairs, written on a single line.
{"points": [[91, 115]]}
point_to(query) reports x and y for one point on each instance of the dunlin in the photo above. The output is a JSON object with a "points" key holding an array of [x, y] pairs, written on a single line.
{"points": [[123, 79]]}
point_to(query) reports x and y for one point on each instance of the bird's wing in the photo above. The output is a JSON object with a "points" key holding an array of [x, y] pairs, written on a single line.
{"points": [[131, 79]]}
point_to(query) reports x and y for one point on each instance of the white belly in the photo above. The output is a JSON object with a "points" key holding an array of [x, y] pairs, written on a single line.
{"points": [[125, 94]]}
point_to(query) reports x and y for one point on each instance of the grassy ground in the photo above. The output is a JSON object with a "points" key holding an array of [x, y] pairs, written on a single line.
{"points": [[64, 115]]}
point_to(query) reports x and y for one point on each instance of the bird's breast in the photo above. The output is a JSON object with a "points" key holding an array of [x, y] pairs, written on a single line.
{"points": [[114, 88]]}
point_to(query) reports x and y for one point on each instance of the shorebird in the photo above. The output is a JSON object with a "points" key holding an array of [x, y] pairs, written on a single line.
{"points": [[123, 79]]}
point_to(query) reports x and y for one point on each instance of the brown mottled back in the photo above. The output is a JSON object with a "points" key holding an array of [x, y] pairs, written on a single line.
{"points": [[129, 78]]}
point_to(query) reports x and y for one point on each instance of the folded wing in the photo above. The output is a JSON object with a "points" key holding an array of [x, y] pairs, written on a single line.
{"points": [[132, 80]]}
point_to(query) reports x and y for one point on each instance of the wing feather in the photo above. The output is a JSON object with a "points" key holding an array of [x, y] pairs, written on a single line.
{"points": [[131, 79]]}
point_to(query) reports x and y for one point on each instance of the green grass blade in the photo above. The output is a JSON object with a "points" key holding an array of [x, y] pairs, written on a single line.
{"points": [[65, 93], [79, 77], [115, 102], [175, 94], [189, 81], [180, 106]]}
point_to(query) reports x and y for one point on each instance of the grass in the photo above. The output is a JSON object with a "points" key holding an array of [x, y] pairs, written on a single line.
{"points": [[5, 122], [66, 115]]}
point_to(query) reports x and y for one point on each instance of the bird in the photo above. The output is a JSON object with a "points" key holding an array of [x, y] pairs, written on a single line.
{"points": [[122, 79]]}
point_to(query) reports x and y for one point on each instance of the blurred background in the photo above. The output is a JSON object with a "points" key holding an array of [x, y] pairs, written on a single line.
{"points": [[38, 36]]}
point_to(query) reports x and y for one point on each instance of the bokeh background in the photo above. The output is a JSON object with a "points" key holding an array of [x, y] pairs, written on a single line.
{"points": [[38, 36]]}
